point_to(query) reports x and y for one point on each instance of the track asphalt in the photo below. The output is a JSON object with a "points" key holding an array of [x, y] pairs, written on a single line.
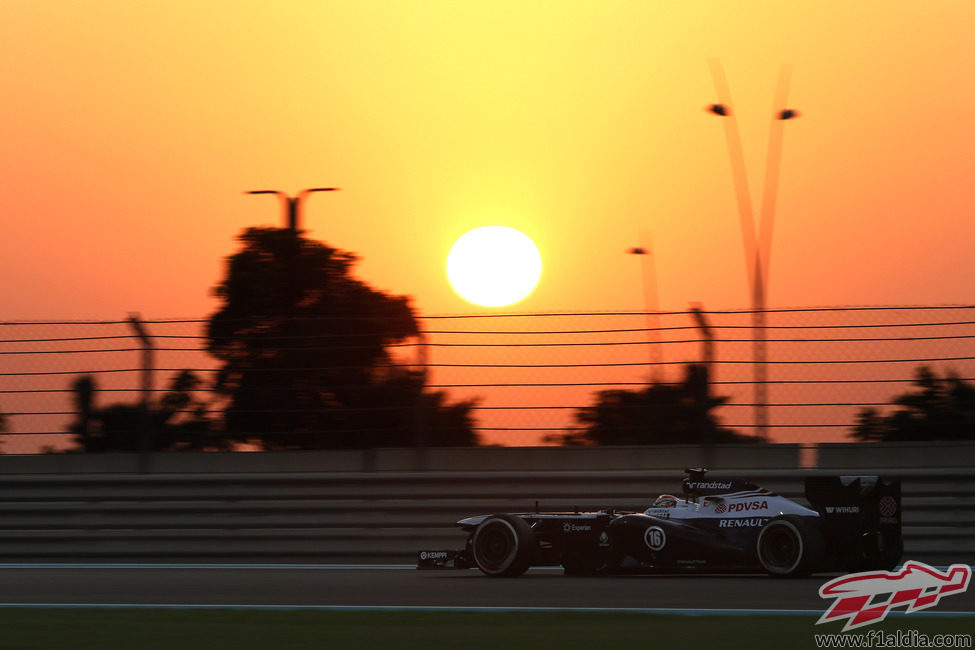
{"points": [[391, 587]]}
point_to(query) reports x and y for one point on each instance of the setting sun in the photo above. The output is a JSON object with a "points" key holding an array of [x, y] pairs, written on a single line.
{"points": [[494, 266]]}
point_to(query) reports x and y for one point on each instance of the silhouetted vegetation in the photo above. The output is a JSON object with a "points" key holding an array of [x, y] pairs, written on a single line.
{"points": [[306, 354], [658, 414], [940, 408], [178, 421]]}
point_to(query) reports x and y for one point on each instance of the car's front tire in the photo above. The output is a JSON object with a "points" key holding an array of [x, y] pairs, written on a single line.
{"points": [[503, 546], [790, 547]]}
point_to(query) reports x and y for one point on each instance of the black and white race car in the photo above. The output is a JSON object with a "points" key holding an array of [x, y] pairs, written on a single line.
{"points": [[853, 524]]}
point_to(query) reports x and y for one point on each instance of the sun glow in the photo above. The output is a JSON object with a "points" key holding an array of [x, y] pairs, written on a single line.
{"points": [[494, 266]]}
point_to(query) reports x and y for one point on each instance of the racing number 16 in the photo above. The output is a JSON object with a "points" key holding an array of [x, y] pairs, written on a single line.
{"points": [[655, 538]]}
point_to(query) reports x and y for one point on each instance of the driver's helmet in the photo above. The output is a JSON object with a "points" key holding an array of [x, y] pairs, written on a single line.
{"points": [[665, 501]]}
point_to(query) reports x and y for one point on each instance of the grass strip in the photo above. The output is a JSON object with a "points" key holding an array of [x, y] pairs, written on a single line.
{"points": [[102, 628]]}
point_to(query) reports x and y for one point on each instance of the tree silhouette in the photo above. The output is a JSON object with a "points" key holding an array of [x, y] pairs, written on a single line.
{"points": [[306, 357], [941, 408], [179, 421], [657, 414]]}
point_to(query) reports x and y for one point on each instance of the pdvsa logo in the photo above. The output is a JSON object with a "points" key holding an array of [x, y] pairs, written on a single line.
{"points": [[866, 598], [742, 506]]}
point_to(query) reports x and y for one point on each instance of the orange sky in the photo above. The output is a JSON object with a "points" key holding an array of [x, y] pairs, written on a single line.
{"points": [[130, 129]]}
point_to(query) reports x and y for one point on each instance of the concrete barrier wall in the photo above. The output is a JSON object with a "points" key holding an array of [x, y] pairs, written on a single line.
{"points": [[406, 459], [937, 454], [376, 506], [828, 456]]}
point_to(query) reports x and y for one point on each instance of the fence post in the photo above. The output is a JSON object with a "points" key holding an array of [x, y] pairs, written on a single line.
{"points": [[421, 439], [145, 419], [707, 353]]}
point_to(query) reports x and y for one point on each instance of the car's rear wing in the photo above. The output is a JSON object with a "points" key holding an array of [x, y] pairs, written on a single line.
{"points": [[861, 519]]}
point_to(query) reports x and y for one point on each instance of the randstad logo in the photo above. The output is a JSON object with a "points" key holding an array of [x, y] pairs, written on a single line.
{"points": [[916, 586]]}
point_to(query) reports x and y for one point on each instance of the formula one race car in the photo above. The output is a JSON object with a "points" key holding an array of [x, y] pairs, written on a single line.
{"points": [[719, 525]]}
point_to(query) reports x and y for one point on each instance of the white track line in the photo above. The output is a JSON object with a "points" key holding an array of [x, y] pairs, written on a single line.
{"points": [[450, 608]]}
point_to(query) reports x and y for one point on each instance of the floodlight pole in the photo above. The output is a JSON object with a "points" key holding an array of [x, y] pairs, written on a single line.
{"points": [[758, 249], [292, 204]]}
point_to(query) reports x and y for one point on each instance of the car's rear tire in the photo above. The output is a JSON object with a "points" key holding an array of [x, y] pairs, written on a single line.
{"points": [[890, 557], [790, 547], [872, 558], [503, 546]]}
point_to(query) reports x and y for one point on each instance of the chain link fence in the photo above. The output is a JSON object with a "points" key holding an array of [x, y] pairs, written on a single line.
{"points": [[530, 374]]}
